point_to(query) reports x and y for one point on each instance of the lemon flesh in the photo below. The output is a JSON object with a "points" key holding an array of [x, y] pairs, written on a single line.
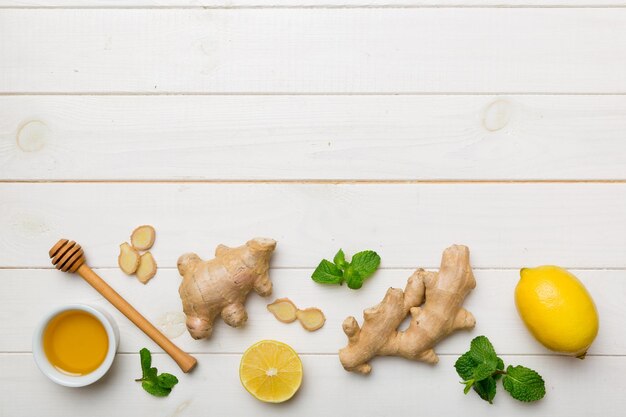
{"points": [[271, 371], [557, 309]]}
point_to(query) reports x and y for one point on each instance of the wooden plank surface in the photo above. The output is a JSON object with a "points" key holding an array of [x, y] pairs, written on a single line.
{"points": [[327, 389], [441, 50], [505, 225], [307, 3], [491, 302], [312, 137], [360, 124]]}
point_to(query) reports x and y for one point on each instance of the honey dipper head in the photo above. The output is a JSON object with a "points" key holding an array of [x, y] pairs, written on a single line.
{"points": [[67, 255]]}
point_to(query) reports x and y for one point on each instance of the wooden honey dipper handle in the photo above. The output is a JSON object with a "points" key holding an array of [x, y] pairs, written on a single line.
{"points": [[68, 256]]}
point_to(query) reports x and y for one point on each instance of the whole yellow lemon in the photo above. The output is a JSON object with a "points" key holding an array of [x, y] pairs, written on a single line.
{"points": [[557, 309]]}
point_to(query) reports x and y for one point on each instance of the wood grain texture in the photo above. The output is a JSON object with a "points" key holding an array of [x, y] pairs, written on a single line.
{"points": [[505, 225], [574, 388], [491, 303], [314, 50], [307, 3], [312, 137]]}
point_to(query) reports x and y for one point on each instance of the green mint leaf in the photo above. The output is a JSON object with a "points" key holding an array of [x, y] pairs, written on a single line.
{"points": [[166, 380], [468, 386], [486, 389], [151, 382], [365, 263], [146, 360], [524, 384], [327, 273], [482, 371], [151, 375], [482, 352], [465, 366], [353, 278], [340, 259], [154, 389], [499, 367]]}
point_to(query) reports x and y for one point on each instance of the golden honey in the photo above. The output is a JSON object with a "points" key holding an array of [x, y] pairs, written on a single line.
{"points": [[75, 342]]}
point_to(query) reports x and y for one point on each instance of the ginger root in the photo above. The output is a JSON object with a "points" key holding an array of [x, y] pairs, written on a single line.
{"points": [[147, 268], [311, 318], [441, 294], [129, 259], [220, 286], [143, 237]]}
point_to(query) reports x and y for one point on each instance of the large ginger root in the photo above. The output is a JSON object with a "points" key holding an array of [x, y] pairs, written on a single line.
{"points": [[441, 293], [220, 285]]}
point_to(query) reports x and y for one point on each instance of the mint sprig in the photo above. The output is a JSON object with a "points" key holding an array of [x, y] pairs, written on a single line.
{"points": [[159, 385], [480, 368], [353, 273], [523, 384]]}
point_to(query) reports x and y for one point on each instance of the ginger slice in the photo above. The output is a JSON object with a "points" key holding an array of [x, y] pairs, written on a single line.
{"points": [[147, 268], [311, 318], [129, 259], [143, 237], [284, 310]]}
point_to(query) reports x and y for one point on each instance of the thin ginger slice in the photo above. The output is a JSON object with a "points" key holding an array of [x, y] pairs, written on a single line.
{"points": [[311, 318], [283, 309], [143, 237], [129, 259], [147, 268]]}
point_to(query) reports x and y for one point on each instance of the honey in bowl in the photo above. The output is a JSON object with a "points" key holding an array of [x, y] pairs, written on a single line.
{"points": [[75, 342]]}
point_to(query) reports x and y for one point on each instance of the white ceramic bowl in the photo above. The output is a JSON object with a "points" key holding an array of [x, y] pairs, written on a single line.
{"points": [[68, 380]]}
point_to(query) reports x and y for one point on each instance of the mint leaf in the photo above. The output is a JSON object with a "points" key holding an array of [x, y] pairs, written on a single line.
{"points": [[482, 371], [481, 368], [486, 389], [468, 386], [340, 259], [524, 384], [353, 278], [365, 263], [499, 367], [166, 380], [153, 383], [146, 360], [153, 388], [482, 352], [362, 266], [327, 273], [465, 366], [150, 375]]}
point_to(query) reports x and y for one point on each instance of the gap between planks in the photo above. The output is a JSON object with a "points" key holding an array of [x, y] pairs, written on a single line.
{"points": [[313, 181], [308, 93], [327, 6]]}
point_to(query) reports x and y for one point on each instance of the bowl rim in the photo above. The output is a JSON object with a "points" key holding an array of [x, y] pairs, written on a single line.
{"points": [[68, 380]]}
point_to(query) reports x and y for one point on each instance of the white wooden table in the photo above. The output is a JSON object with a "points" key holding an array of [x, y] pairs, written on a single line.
{"points": [[400, 126]]}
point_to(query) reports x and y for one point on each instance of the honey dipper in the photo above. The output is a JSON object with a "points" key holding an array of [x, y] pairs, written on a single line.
{"points": [[68, 256]]}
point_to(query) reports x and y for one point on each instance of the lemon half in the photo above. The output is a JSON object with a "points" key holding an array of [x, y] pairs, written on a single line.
{"points": [[271, 371], [557, 309]]}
